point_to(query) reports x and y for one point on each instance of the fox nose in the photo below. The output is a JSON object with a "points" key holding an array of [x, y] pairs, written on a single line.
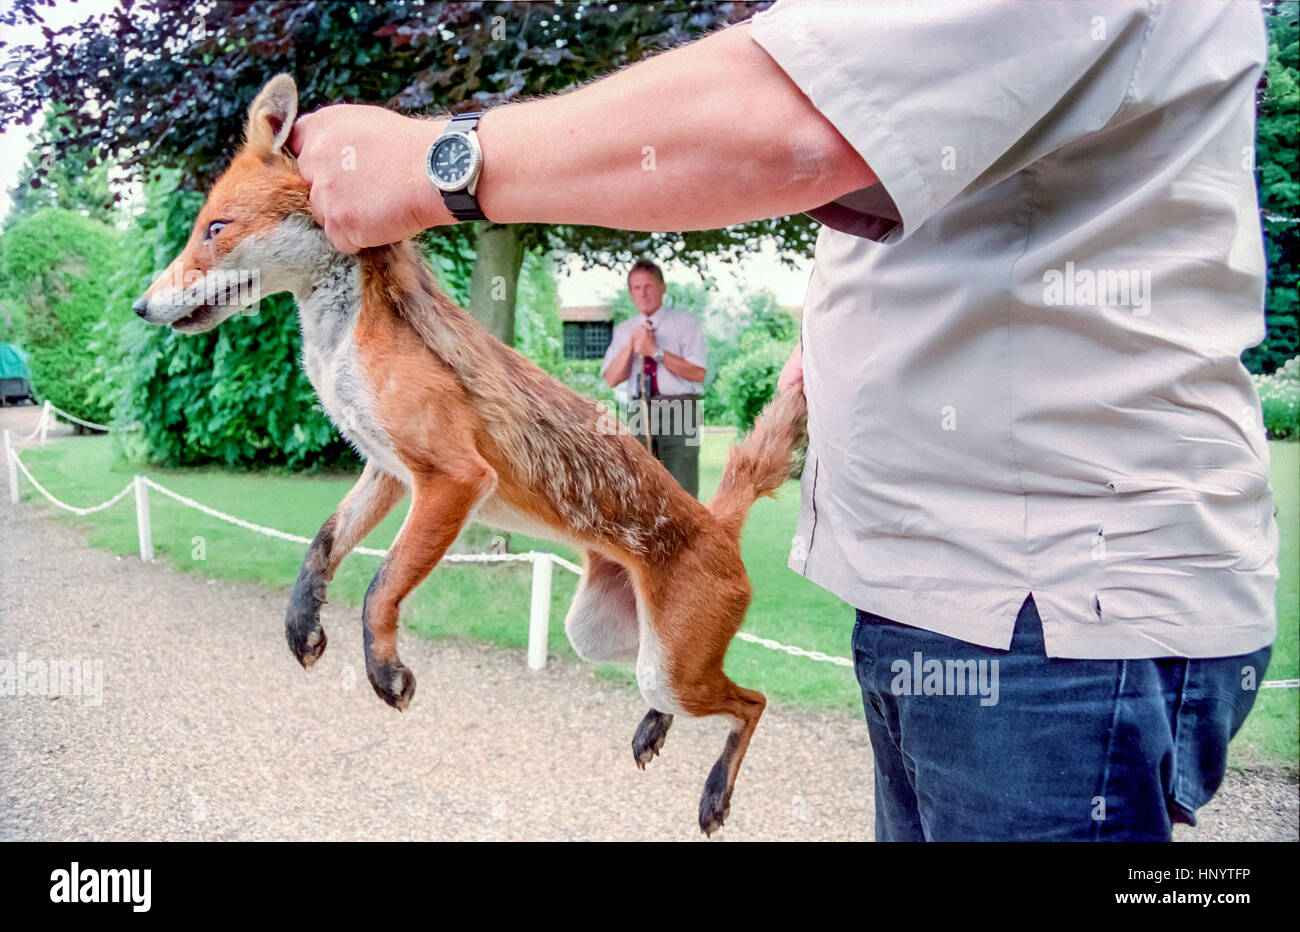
{"points": [[141, 306]]}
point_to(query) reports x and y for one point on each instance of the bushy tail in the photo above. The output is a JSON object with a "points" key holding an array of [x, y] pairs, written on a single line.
{"points": [[759, 464]]}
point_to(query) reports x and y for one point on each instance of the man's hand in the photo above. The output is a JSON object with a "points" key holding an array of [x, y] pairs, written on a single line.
{"points": [[792, 372], [366, 168], [643, 340], [579, 157]]}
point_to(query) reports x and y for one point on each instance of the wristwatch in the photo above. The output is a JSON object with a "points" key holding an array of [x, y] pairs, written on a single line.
{"points": [[455, 160], [659, 355]]}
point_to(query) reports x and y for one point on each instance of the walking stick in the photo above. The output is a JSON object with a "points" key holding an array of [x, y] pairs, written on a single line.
{"points": [[645, 402], [645, 409]]}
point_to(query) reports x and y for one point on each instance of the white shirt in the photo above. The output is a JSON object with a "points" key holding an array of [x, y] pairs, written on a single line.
{"points": [[984, 422], [676, 332]]}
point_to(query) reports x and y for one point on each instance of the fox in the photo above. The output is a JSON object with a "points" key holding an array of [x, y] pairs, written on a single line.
{"points": [[439, 408]]}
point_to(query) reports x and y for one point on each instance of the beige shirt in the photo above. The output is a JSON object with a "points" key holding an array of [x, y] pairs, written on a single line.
{"points": [[1021, 349], [676, 332]]}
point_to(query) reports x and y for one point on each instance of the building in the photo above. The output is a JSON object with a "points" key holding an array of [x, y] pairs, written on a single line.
{"points": [[587, 330]]}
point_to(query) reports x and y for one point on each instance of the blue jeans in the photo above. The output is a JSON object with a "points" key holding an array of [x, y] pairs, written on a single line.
{"points": [[993, 745]]}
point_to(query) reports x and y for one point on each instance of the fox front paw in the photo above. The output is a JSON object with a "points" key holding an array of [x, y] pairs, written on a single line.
{"points": [[393, 682], [306, 637]]}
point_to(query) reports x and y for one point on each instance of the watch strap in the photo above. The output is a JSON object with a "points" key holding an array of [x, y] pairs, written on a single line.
{"points": [[461, 204]]}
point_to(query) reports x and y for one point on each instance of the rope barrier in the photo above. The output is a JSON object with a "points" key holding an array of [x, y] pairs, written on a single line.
{"points": [[298, 539], [794, 651], [84, 423], [40, 423], [539, 559], [64, 505], [48, 412]]}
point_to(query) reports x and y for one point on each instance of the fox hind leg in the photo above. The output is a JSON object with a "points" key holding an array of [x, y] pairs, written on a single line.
{"points": [[683, 648], [650, 736]]}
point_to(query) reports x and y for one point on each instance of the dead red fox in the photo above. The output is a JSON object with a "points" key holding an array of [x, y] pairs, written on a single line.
{"points": [[475, 431]]}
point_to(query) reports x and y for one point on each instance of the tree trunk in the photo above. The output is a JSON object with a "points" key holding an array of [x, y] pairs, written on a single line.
{"points": [[494, 283]]}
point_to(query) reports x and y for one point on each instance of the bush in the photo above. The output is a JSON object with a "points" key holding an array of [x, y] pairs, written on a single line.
{"points": [[55, 270], [749, 379], [539, 335], [1279, 395]]}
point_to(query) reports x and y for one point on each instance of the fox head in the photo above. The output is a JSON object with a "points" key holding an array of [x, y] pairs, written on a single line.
{"points": [[255, 235]]}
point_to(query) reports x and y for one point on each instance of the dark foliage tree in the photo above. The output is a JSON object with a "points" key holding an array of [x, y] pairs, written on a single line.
{"points": [[162, 83]]}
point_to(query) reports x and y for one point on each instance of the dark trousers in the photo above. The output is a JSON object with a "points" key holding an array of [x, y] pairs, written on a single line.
{"points": [[675, 437], [1060, 750]]}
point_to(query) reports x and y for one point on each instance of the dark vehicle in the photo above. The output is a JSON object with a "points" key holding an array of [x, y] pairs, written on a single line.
{"points": [[15, 376]]}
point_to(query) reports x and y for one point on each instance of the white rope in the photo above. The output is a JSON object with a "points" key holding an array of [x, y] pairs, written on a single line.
{"points": [[231, 519], [84, 423], [571, 567], [40, 422], [64, 505], [794, 651], [297, 539], [530, 556], [746, 636]]}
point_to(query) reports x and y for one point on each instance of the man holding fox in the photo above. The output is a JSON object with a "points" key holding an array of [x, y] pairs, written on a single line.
{"points": [[1075, 492]]}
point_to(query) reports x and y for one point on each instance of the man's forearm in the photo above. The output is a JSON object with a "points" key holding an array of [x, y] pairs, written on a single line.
{"points": [[620, 367], [704, 136], [684, 368]]}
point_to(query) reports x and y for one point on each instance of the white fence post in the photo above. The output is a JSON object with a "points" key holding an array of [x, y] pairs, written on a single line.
{"points": [[45, 421], [539, 615], [13, 467], [142, 519]]}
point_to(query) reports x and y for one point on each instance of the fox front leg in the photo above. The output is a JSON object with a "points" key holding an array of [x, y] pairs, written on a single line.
{"points": [[440, 504], [373, 497]]}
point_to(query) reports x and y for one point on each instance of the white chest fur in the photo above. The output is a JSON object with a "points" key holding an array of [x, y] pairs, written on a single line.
{"points": [[328, 317]]}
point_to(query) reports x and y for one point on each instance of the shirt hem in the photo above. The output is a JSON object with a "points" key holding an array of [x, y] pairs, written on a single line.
{"points": [[1065, 640]]}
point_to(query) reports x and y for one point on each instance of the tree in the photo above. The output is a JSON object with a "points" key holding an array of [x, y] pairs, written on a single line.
{"points": [[1278, 167], [161, 83], [540, 334], [47, 181], [51, 275]]}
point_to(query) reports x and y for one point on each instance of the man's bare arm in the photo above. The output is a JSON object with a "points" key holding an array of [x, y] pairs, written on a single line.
{"points": [[620, 367], [704, 136], [683, 368]]}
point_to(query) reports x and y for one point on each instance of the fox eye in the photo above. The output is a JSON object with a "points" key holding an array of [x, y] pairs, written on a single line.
{"points": [[215, 227]]}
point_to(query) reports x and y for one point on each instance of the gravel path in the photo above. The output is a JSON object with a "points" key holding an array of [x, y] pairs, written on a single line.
{"points": [[208, 729]]}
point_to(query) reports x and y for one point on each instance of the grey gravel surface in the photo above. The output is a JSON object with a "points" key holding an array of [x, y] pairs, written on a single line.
{"points": [[208, 729]]}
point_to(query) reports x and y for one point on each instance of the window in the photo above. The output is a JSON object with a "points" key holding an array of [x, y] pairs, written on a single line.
{"points": [[587, 339]]}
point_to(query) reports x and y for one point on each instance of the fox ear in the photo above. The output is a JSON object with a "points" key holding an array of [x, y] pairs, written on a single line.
{"points": [[271, 116]]}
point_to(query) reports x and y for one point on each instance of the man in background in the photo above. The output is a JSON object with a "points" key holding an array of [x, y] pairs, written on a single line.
{"points": [[660, 358]]}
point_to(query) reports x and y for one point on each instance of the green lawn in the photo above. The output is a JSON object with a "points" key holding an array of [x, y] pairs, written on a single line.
{"points": [[1273, 729], [491, 603]]}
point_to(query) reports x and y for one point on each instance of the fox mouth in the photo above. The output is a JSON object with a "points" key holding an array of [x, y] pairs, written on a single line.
{"points": [[195, 321]]}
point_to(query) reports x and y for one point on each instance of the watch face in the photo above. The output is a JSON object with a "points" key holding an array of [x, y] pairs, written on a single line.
{"points": [[452, 161]]}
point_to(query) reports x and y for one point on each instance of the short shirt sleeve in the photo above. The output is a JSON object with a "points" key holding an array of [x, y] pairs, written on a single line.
{"points": [[617, 340], [942, 98]]}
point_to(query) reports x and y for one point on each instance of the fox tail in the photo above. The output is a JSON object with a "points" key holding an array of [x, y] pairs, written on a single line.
{"points": [[762, 462]]}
